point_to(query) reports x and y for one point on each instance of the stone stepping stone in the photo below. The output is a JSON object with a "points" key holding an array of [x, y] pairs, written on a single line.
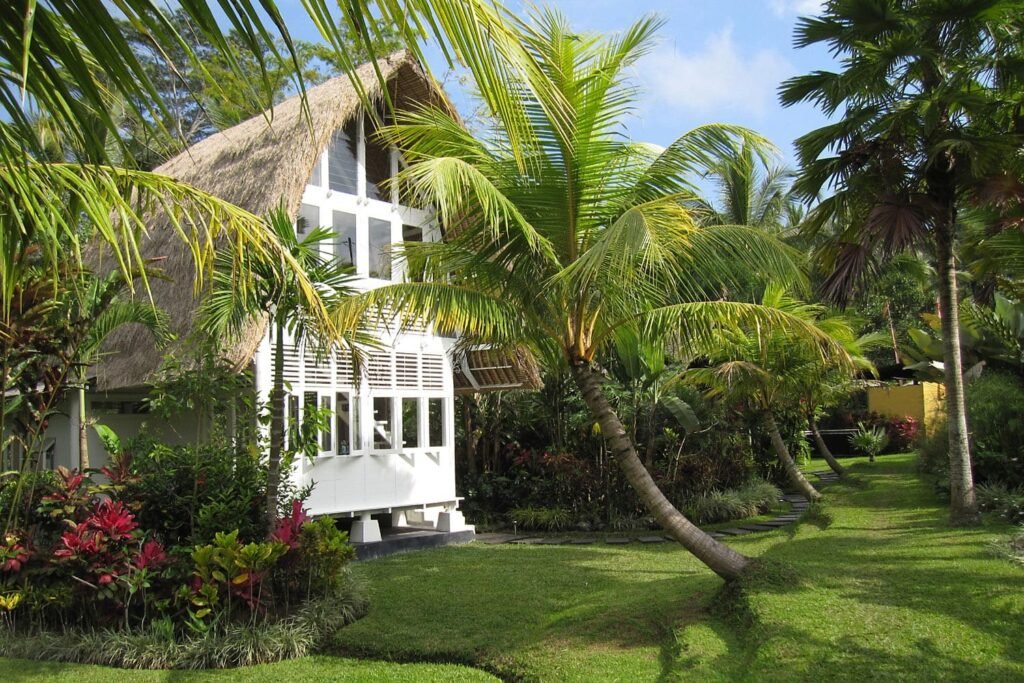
{"points": [[526, 541], [651, 539], [553, 541], [786, 518], [775, 523], [618, 541], [581, 541], [717, 535], [736, 532], [760, 527]]}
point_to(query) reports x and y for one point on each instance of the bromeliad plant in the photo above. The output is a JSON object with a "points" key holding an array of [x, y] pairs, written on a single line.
{"points": [[560, 237]]}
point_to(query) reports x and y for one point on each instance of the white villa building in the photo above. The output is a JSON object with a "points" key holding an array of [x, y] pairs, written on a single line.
{"points": [[390, 446]]}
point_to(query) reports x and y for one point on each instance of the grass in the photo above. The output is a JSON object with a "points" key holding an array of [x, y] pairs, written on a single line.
{"points": [[308, 670], [888, 591]]}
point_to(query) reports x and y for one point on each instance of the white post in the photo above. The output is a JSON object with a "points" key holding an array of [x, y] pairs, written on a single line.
{"points": [[365, 529]]}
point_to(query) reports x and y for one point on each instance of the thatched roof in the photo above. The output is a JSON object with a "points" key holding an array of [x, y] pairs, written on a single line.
{"points": [[255, 165]]}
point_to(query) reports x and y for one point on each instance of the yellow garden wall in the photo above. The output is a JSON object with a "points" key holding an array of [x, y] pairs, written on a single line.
{"points": [[924, 402]]}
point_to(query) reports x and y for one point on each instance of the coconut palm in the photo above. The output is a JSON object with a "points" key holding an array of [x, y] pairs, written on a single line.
{"points": [[751, 191], [929, 95], [768, 369], [589, 232]]}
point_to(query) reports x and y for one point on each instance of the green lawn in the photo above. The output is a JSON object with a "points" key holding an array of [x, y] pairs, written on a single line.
{"points": [[888, 592]]}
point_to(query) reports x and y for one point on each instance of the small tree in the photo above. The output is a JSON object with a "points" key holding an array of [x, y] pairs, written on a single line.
{"points": [[278, 296], [869, 440]]}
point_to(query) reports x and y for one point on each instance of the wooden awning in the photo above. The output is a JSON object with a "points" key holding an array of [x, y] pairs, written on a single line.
{"points": [[482, 369]]}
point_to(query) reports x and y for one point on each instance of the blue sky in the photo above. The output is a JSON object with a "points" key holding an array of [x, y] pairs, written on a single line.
{"points": [[716, 61]]}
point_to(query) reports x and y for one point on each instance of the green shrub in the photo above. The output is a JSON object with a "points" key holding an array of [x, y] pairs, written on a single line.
{"points": [[1001, 500], [753, 498], [543, 519], [869, 440], [995, 411]]}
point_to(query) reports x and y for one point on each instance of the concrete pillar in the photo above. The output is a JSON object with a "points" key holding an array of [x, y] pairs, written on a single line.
{"points": [[451, 520], [398, 518], [365, 530]]}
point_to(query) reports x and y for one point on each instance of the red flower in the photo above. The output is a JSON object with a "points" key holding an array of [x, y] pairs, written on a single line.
{"points": [[106, 579], [150, 556], [113, 520], [289, 527]]}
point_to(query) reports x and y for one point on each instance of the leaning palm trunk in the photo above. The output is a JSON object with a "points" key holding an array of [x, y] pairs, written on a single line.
{"points": [[795, 475], [721, 559], [276, 426], [963, 505], [823, 449]]}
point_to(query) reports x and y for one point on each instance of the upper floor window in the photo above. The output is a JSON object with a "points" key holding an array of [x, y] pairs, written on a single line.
{"points": [[343, 160], [378, 164]]}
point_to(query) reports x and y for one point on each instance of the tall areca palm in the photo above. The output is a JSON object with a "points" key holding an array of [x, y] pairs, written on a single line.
{"points": [[590, 232], [224, 311], [931, 123]]}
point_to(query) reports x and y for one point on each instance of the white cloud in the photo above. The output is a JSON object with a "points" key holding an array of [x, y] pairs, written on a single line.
{"points": [[783, 8], [719, 76]]}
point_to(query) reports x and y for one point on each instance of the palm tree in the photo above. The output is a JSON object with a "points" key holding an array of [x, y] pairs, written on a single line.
{"points": [[224, 311], [931, 122], [751, 191], [769, 370], [558, 244]]}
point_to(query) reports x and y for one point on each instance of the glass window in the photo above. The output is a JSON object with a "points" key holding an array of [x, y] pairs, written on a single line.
{"points": [[291, 420], [343, 423], [344, 237], [410, 422], [435, 421], [411, 233], [383, 422], [308, 220], [378, 165], [380, 249], [342, 160], [325, 433], [314, 177]]}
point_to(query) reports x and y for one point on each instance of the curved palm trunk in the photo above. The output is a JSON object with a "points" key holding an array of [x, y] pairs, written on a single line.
{"points": [[963, 504], [276, 425], [823, 449], [720, 558], [795, 475]]}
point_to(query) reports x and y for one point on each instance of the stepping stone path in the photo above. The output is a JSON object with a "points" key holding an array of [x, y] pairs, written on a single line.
{"points": [[798, 505]]}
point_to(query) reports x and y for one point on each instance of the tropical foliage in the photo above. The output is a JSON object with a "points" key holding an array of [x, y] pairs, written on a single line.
{"points": [[928, 95], [585, 234]]}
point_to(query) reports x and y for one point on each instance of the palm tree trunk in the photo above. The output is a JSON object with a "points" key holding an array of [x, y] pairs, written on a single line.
{"points": [[795, 475], [720, 558], [823, 449], [963, 505], [83, 429], [276, 425]]}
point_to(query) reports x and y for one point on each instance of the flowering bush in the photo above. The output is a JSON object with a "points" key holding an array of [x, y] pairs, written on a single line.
{"points": [[86, 558]]}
